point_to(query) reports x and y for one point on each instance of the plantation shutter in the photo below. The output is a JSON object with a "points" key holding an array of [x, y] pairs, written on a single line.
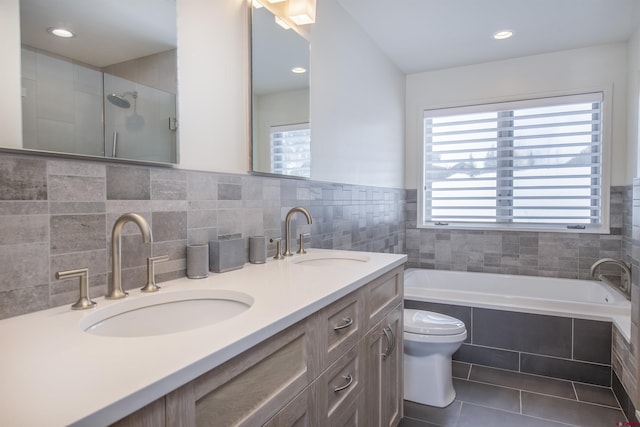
{"points": [[534, 162], [291, 150]]}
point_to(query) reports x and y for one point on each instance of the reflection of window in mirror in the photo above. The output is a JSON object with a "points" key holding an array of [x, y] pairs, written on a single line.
{"points": [[291, 150], [280, 95]]}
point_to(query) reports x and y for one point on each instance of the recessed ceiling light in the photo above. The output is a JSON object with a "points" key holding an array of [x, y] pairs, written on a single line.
{"points": [[60, 32], [501, 35], [298, 70]]}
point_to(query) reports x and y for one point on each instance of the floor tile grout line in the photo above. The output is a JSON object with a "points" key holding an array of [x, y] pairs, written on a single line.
{"points": [[459, 411], [524, 415], [543, 394], [533, 375], [518, 389], [578, 401], [545, 377], [575, 392], [520, 401]]}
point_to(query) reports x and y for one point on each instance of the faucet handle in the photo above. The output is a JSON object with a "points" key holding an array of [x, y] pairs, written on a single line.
{"points": [[301, 250], [151, 273], [278, 242], [84, 301]]}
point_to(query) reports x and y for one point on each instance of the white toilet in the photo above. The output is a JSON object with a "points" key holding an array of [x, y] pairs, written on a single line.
{"points": [[430, 339]]}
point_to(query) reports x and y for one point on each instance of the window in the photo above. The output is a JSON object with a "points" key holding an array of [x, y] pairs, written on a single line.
{"points": [[534, 163], [291, 150]]}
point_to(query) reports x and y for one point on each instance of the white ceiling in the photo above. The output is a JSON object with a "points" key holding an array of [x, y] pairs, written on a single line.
{"points": [[417, 35], [422, 35]]}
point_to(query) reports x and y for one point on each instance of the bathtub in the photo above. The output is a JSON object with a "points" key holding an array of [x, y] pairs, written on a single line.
{"points": [[582, 299]]}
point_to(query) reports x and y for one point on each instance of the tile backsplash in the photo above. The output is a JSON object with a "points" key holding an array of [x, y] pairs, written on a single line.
{"points": [[58, 214]]}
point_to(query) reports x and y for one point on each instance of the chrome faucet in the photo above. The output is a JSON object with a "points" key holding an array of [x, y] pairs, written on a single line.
{"points": [[287, 227], [115, 290], [625, 282]]}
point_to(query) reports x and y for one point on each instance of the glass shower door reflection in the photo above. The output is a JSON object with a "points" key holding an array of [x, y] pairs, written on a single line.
{"points": [[139, 121]]}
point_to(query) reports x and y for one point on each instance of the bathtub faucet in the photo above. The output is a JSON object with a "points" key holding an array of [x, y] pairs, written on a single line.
{"points": [[625, 280]]}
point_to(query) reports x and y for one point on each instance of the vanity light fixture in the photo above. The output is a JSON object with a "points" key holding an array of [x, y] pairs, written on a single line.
{"points": [[276, 1], [302, 12], [298, 70], [501, 35], [256, 4], [60, 32], [282, 23]]}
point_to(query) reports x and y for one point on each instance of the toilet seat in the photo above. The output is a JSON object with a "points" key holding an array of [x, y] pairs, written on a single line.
{"points": [[435, 339], [420, 322]]}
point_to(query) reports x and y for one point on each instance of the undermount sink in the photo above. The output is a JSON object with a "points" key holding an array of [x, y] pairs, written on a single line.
{"points": [[330, 259], [165, 313]]}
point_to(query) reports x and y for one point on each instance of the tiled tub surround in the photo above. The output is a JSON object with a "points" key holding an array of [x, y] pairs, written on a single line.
{"points": [[564, 255], [560, 347], [58, 214]]}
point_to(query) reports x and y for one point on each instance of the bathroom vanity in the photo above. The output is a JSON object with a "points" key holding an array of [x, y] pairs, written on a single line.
{"points": [[321, 343]]}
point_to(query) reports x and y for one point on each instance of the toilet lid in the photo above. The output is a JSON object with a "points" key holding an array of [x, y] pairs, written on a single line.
{"points": [[430, 323]]}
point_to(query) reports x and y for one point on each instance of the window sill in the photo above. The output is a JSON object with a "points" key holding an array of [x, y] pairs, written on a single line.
{"points": [[546, 228]]}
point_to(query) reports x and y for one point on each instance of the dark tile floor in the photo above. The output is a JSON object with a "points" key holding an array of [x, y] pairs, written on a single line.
{"points": [[488, 397]]}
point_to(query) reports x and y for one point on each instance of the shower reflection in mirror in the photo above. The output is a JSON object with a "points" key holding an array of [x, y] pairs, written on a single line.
{"points": [[99, 114]]}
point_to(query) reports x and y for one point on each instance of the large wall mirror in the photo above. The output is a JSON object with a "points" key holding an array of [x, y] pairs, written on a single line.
{"points": [[108, 88], [281, 142]]}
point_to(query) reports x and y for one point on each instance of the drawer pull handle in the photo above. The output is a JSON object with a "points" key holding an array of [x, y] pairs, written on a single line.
{"points": [[388, 334], [348, 321], [349, 380]]}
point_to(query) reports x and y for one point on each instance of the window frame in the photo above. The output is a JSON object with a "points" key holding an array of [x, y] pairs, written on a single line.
{"points": [[488, 104]]}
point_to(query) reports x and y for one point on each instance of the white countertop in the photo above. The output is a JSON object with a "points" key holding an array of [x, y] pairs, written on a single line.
{"points": [[53, 373]]}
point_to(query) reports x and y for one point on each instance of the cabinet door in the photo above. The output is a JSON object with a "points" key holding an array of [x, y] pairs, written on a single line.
{"points": [[300, 412], [383, 387]]}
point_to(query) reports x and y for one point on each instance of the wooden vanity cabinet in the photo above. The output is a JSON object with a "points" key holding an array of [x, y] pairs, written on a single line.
{"points": [[341, 366]]}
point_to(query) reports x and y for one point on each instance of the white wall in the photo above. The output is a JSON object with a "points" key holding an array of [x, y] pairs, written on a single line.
{"points": [[633, 105], [10, 111], [599, 67], [213, 89], [357, 104]]}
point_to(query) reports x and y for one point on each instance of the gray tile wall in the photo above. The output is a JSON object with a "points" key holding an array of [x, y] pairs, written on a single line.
{"points": [[565, 255], [58, 214], [627, 372]]}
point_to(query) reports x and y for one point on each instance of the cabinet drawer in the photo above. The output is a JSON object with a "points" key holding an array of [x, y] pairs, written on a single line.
{"points": [[252, 387], [340, 385], [382, 295], [342, 325]]}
